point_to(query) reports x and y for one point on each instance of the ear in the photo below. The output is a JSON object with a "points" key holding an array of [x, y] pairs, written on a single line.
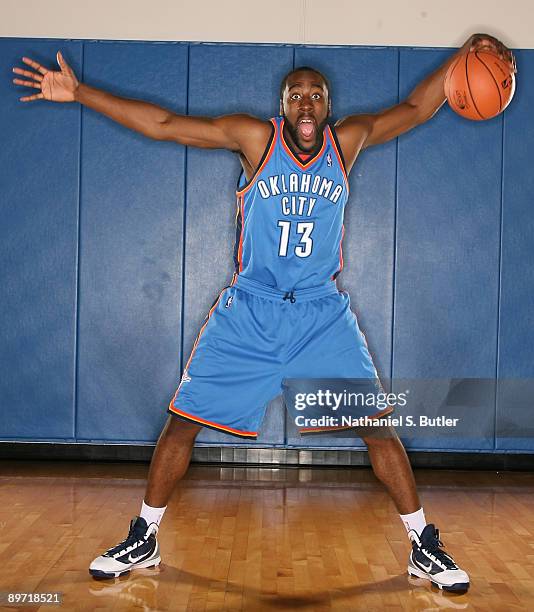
{"points": [[281, 107], [329, 107]]}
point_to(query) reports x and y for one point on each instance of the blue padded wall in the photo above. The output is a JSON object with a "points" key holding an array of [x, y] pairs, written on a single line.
{"points": [[131, 232], [447, 264], [515, 420], [114, 246], [39, 167]]}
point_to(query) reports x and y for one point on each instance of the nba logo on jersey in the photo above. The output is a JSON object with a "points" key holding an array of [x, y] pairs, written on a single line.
{"points": [[229, 301], [329, 160]]}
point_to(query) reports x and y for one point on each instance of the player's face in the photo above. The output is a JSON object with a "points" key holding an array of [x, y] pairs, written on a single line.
{"points": [[305, 107]]}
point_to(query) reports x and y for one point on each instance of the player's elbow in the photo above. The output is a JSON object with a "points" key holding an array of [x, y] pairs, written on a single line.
{"points": [[153, 128], [161, 128], [416, 112], [421, 112]]}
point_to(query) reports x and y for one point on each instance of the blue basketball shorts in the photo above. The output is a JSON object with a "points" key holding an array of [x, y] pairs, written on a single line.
{"points": [[253, 338]]}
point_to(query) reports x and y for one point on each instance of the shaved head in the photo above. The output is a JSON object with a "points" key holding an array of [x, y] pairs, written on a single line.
{"points": [[283, 84]]}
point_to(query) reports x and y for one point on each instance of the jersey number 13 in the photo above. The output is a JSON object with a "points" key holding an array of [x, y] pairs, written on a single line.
{"points": [[305, 244]]}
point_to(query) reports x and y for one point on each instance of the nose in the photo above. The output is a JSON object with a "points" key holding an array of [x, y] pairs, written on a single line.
{"points": [[305, 103]]}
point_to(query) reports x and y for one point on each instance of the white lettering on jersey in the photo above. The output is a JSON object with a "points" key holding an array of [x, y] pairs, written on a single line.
{"points": [[293, 183], [298, 205]]}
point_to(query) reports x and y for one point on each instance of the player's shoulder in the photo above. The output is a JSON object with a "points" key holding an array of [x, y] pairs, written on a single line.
{"points": [[352, 132], [246, 122], [354, 125]]}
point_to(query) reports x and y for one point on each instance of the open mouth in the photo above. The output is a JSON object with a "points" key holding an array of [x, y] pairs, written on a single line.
{"points": [[306, 128]]}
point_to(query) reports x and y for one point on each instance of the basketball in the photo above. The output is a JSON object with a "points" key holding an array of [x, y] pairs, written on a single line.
{"points": [[479, 85]]}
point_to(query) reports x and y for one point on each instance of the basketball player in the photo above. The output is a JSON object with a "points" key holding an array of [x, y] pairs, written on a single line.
{"points": [[282, 316]]}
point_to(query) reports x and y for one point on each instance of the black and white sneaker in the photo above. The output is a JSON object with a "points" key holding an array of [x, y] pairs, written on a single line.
{"points": [[139, 549], [429, 560]]}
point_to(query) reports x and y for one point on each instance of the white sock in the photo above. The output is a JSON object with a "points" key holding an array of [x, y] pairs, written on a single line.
{"points": [[152, 515], [414, 521]]}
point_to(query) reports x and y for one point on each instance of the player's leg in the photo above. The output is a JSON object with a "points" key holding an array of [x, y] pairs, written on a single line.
{"points": [[334, 347], [391, 466], [169, 463], [225, 364], [170, 460]]}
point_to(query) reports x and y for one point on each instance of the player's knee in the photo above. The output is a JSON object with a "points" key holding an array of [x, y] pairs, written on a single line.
{"points": [[380, 436], [179, 428]]}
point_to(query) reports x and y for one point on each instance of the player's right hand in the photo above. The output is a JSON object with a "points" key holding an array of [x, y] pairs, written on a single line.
{"points": [[57, 86], [486, 42]]}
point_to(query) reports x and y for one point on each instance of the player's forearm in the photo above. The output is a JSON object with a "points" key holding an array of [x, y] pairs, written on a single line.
{"points": [[143, 117], [429, 95]]}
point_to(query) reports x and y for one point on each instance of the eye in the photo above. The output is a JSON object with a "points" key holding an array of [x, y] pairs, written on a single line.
{"points": [[316, 96], [295, 96]]}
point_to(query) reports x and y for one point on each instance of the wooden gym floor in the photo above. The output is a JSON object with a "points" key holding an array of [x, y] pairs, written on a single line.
{"points": [[263, 539]]}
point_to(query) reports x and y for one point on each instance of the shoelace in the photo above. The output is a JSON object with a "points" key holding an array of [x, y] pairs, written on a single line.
{"points": [[435, 547], [128, 540]]}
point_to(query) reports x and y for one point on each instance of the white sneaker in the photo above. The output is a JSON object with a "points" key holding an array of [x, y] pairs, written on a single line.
{"points": [[429, 560], [139, 549]]}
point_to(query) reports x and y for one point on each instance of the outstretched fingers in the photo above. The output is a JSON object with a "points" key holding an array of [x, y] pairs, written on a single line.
{"points": [[31, 75], [31, 98], [37, 78], [35, 83], [35, 65], [27, 83]]}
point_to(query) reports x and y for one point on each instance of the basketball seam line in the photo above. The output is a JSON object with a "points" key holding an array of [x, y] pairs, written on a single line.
{"points": [[469, 88], [494, 79]]}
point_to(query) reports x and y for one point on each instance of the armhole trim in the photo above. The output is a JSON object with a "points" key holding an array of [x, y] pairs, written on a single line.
{"points": [[264, 159], [239, 179], [339, 153]]}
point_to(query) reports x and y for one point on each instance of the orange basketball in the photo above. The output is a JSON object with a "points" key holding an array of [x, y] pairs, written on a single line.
{"points": [[479, 85]]}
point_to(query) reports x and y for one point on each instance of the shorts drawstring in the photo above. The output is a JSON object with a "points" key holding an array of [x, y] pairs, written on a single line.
{"points": [[290, 296], [282, 295]]}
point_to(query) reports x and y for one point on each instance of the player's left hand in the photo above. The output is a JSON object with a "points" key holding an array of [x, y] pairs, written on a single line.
{"points": [[486, 42]]}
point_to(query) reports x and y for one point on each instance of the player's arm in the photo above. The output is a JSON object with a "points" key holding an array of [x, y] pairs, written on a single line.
{"points": [[418, 107], [229, 132]]}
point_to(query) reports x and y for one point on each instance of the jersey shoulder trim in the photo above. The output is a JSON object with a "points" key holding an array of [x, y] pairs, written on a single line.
{"points": [[339, 152], [264, 159]]}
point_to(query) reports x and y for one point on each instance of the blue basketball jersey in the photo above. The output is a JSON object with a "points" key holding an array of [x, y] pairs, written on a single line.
{"points": [[289, 220]]}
